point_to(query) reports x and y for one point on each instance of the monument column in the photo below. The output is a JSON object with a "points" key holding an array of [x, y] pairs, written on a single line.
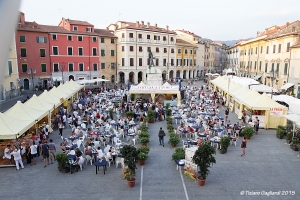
{"points": [[126, 77]]}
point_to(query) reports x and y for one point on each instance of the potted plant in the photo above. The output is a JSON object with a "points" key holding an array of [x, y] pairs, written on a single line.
{"points": [[132, 97], [174, 140], [144, 134], [130, 156], [116, 105], [289, 137], [143, 149], [170, 127], [224, 143], [151, 116], [143, 127], [62, 159], [144, 141], [130, 114], [248, 132], [169, 120], [203, 158], [168, 112], [178, 154], [295, 145], [110, 112], [280, 132], [167, 106], [142, 157]]}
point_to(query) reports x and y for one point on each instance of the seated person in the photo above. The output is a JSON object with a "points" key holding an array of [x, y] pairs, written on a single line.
{"points": [[78, 153], [7, 152], [100, 153], [200, 142], [64, 144], [72, 156]]}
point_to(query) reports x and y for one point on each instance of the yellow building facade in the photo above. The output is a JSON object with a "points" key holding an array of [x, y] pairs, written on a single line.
{"points": [[9, 88]]}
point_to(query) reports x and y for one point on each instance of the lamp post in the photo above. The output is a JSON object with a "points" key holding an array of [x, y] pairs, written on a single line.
{"points": [[62, 68], [31, 72]]}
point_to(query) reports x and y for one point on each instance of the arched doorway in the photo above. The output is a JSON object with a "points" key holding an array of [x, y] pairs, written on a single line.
{"points": [[171, 74], [190, 74], [178, 73], [71, 77], [26, 84], [121, 77], [131, 77], [184, 74], [103, 77], [140, 77], [113, 79], [194, 74], [164, 75]]}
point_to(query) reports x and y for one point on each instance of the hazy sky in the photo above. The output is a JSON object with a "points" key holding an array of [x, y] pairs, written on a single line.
{"points": [[214, 19]]}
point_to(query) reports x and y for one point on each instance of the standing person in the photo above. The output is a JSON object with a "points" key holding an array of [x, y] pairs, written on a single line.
{"points": [[60, 128], [18, 159], [45, 152], [33, 151], [52, 150], [243, 145], [161, 135], [256, 126], [28, 154], [226, 114]]}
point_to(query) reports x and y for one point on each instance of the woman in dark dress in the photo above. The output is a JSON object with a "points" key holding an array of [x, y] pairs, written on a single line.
{"points": [[243, 145], [28, 154]]}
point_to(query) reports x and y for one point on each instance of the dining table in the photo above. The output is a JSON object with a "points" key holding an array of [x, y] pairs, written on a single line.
{"points": [[101, 163]]}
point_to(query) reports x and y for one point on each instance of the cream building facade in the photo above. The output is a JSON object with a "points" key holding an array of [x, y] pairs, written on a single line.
{"points": [[134, 41], [10, 88], [108, 54], [199, 54], [294, 71]]}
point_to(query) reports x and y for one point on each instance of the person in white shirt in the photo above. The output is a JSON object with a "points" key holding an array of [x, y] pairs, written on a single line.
{"points": [[18, 159], [33, 152], [75, 113], [64, 119], [7, 152], [100, 153]]}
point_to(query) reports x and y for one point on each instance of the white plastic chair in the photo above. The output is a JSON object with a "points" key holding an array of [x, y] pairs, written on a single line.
{"points": [[109, 161], [134, 140], [117, 142]]}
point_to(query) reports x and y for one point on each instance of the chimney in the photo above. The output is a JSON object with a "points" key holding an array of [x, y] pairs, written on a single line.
{"points": [[142, 22], [137, 24], [107, 28], [148, 24], [155, 25], [22, 18], [287, 23], [167, 27]]}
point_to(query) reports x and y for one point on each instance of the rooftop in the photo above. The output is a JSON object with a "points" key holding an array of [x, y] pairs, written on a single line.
{"points": [[78, 22], [142, 26], [189, 33], [104, 32]]}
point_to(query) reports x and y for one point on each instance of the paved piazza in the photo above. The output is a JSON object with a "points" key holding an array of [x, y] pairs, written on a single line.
{"points": [[268, 165]]}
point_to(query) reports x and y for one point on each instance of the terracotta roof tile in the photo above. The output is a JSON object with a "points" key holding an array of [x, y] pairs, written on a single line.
{"points": [[190, 33], [78, 22], [180, 41], [131, 25], [104, 32]]}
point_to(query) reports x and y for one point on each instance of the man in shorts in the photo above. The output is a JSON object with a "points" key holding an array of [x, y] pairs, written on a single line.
{"points": [[45, 152]]}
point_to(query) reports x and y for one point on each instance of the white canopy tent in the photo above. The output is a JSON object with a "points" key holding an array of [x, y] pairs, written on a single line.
{"points": [[90, 81], [263, 88], [295, 119]]}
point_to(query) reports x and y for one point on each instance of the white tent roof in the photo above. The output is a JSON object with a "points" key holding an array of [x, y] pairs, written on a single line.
{"points": [[38, 104], [141, 84], [90, 81], [22, 112], [58, 93], [66, 90], [287, 86], [293, 117], [12, 128], [263, 102], [250, 95], [45, 96], [263, 88]]}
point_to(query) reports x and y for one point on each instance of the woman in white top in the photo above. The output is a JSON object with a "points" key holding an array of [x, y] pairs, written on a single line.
{"points": [[33, 152]]}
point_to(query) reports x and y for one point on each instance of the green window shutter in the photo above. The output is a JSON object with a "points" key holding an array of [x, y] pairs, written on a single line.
{"points": [[44, 67], [9, 67], [112, 52], [24, 68]]}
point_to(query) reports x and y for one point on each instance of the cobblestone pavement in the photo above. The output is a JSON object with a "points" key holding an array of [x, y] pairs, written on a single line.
{"points": [[268, 165]]}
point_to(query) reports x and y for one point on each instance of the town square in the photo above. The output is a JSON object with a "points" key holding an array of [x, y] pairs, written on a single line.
{"points": [[143, 110]]}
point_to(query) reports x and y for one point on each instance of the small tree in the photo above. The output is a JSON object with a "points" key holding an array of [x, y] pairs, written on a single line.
{"points": [[203, 158], [130, 155], [110, 112]]}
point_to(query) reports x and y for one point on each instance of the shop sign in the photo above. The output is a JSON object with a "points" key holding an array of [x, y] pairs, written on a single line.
{"points": [[276, 111]]}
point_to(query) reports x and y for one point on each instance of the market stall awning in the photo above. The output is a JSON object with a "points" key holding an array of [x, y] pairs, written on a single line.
{"points": [[257, 77], [45, 96], [287, 86], [39, 104], [71, 83], [263, 88], [22, 112], [12, 128], [58, 78], [293, 117], [263, 102], [60, 94]]}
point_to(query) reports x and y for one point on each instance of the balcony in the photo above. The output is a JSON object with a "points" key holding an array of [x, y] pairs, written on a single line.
{"points": [[157, 41], [131, 39], [148, 40], [140, 40], [165, 42]]}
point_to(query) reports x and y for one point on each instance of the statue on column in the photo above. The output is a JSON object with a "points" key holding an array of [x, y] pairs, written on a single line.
{"points": [[151, 58]]}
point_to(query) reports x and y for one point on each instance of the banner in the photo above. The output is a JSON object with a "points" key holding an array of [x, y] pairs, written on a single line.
{"points": [[276, 111], [154, 88]]}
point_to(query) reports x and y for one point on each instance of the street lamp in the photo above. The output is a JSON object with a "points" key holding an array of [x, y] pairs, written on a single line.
{"points": [[62, 68], [31, 72]]}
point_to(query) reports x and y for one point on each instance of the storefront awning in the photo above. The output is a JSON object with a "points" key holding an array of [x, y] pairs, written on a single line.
{"points": [[59, 78], [287, 86], [44, 77]]}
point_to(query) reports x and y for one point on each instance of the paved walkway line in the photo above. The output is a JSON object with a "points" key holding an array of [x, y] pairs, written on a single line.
{"points": [[141, 188], [184, 187]]}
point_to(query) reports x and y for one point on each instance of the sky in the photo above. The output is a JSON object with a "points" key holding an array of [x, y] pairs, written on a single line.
{"points": [[218, 20]]}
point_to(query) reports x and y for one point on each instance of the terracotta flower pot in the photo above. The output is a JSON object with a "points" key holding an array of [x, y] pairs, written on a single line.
{"points": [[174, 145], [151, 121], [144, 144], [141, 162], [131, 183], [201, 182]]}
